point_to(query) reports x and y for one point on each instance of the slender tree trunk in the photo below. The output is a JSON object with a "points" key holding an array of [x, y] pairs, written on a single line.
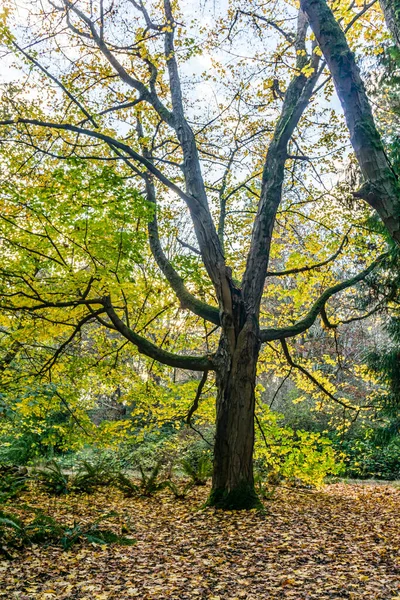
{"points": [[391, 10], [233, 483]]}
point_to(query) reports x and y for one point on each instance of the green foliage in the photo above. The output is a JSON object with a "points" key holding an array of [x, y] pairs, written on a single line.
{"points": [[150, 484], [36, 427], [53, 479], [366, 459], [94, 474], [43, 529], [147, 449], [12, 533], [126, 485], [198, 468], [15, 534], [92, 533], [293, 455], [98, 471], [179, 491], [74, 233], [384, 363], [263, 488], [18, 450], [13, 480]]}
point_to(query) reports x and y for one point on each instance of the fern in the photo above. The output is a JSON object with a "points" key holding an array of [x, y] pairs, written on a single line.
{"points": [[43, 529], [53, 479], [13, 480], [150, 484], [179, 493], [127, 487], [198, 469], [92, 475]]}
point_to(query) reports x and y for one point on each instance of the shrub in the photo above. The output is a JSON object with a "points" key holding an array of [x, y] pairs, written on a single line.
{"points": [[14, 534], [43, 529], [179, 492], [53, 479], [18, 450], [296, 456], [13, 480], [126, 485], [94, 474], [265, 489], [93, 534], [366, 459], [150, 484], [197, 468]]}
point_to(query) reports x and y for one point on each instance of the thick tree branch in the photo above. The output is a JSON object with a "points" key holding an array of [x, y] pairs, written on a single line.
{"points": [[190, 201], [311, 377], [267, 335], [193, 363], [147, 95], [207, 237], [391, 10], [329, 325], [189, 247], [42, 305], [186, 299], [323, 263], [295, 103]]}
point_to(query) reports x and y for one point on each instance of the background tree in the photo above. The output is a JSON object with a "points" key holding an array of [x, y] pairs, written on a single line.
{"points": [[391, 10], [380, 188]]}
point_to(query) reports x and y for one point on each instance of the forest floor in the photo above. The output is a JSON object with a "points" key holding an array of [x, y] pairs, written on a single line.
{"points": [[337, 543]]}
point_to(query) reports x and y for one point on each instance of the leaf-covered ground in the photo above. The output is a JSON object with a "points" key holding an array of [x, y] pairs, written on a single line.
{"points": [[343, 542]]}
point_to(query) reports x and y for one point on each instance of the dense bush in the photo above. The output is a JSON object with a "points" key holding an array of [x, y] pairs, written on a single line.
{"points": [[197, 468], [18, 450], [151, 483], [366, 459], [282, 453], [98, 472]]}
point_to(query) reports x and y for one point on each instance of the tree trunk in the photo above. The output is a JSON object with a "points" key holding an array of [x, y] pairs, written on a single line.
{"points": [[233, 483], [391, 10], [381, 188]]}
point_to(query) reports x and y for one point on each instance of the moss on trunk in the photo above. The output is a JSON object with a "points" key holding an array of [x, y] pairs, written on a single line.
{"points": [[242, 497]]}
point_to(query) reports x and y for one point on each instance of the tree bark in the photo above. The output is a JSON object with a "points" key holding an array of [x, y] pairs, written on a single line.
{"points": [[233, 483], [381, 188], [391, 10]]}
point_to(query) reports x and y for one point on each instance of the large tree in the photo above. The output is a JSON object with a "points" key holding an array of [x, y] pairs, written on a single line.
{"points": [[113, 91]]}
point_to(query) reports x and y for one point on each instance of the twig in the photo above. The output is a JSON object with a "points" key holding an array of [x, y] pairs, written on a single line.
{"points": [[195, 406]]}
